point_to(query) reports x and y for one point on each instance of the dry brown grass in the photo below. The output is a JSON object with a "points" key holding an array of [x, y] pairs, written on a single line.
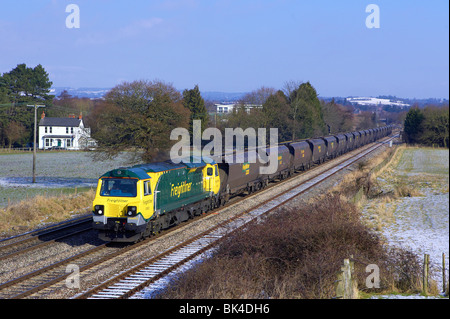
{"points": [[363, 178], [31, 213], [382, 200], [406, 190], [295, 253]]}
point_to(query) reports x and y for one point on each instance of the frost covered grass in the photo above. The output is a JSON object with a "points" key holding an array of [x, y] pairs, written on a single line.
{"points": [[57, 173], [41, 210], [411, 209], [295, 253], [65, 184]]}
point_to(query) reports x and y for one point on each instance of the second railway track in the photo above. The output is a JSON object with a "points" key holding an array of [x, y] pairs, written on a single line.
{"points": [[135, 279], [98, 265]]}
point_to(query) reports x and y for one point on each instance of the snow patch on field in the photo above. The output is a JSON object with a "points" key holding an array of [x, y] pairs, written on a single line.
{"points": [[419, 224], [54, 171], [46, 182], [422, 225]]}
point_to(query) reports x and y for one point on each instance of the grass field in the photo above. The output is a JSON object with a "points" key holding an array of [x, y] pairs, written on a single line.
{"points": [[297, 251], [412, 210], [65, 183], [57, 173]]}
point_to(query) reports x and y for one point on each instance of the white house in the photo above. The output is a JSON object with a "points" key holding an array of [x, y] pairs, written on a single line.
{"points": [[64, 133], [229, 108]]}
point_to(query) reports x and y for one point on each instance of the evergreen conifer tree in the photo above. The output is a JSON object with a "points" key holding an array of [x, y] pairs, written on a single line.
{"points": [[193, 101]]}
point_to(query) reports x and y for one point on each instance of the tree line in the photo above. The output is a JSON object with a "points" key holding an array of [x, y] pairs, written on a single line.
{"points": [[296, 111], [140, 115], [428, 126], [21, 86]]}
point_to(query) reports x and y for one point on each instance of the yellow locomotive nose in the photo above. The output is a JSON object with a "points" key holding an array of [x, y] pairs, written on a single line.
{"points": [[115, 210], [136, 202]]}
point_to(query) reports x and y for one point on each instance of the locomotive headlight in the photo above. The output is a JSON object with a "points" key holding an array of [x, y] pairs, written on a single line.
{"points": [[99, 209], [132, 211]]}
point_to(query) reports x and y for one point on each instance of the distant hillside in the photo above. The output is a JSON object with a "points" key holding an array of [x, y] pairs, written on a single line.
{"points": [[386, 101], [214, 96], [92, 93], [222, 96], [96, 93]]}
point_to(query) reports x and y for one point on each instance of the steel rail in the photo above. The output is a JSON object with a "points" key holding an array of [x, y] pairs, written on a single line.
{"points": [[136, 278], [34, 234], [58, 278], [43, 244]]}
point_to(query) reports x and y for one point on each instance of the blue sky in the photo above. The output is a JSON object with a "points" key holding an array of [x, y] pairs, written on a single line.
{"points": [[235, 45]]}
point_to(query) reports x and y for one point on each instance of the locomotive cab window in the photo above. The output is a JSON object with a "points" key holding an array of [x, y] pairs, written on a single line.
{"points": [[217, 171], [147, 188], [209, 171], [119, 187]]}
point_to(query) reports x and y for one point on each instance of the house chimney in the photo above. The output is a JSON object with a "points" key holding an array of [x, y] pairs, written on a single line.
{"points": [[43, 115], [81, 116]]}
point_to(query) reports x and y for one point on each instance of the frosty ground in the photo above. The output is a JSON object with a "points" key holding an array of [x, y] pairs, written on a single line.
{"points": [[57, 172], [418, 221]]}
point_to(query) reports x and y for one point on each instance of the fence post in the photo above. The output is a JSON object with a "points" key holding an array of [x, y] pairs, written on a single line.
{"points": [[426, 263], [346, 287], [340, 292], [353, 281], [448, 284], [444, 281]]}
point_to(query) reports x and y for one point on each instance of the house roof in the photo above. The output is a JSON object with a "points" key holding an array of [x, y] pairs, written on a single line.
{"points": [[58, 136], [60, 121]]}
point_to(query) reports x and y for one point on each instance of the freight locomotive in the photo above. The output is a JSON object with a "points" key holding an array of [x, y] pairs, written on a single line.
{"points": [[132, 203]]}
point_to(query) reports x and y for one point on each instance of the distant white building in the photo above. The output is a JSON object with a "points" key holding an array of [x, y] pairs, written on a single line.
{"points": [[375, 101], [64, 133], [228, 108]]}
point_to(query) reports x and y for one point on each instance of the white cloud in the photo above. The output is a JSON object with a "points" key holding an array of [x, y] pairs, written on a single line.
{"points": [[134, 29], [137, 27]]}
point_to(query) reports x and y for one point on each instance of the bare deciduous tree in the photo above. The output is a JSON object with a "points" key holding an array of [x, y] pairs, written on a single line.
{"points": [[14, 132]]}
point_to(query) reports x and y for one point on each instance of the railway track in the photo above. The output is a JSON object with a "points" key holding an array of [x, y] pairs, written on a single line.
{"points": [[36, 283], [42, 281], [44, 233], [14, 246], [129, 282]]}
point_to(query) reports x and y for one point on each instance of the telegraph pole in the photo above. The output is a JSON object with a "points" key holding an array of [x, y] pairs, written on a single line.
{"points": [[34, 142]]}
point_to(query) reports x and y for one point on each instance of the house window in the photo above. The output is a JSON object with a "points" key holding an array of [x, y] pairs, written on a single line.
{"points": [[50, 129], [68, 143], [67, 130], [71, 130], [47, 142], [46, 129]]}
